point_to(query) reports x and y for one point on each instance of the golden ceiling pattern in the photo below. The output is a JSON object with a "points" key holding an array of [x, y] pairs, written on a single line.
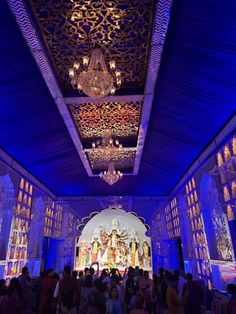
{"points": [[123, 160], [122, 28], [92, 119]]}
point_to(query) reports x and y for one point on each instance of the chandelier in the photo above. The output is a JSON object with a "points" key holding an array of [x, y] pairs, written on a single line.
{"points": [[111, 176], [92, 76], [107, 148]]}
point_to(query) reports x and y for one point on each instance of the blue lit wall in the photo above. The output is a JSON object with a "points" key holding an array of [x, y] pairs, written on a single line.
{"points": [[220, 234]]}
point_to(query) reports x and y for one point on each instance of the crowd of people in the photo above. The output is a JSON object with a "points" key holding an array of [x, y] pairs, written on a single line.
{"points": [[106, 292]]}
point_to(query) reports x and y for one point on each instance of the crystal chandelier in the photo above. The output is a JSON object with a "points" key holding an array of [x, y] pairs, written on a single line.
{"points": [[107, 148], [92, 76], [111, 176]]}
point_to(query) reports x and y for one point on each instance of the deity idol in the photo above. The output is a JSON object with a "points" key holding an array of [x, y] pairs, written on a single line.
{"points": [[134, 249], [88, 254], [95, 250], [112, 255], [123, 256], [82, 254], [113, 250], [146, 255], [114, 239]]}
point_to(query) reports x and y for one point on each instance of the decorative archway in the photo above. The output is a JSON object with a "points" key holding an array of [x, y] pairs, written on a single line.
{"points": [[114, 238]]}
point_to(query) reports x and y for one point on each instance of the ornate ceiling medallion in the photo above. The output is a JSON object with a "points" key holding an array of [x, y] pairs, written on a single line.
{"points": [[124, 160], [111, 176], [121, 27], [92, 76], [107, 148], [92, 119]]}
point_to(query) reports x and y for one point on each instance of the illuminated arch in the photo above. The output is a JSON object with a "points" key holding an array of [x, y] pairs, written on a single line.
{"points": [[192, 199], [219, 160], [192, 224], [191, 214], [22, 183], [230, 213], [234, 145], [186, 187], [227, 153], [107, 237], [189, 201], [226, 194]]}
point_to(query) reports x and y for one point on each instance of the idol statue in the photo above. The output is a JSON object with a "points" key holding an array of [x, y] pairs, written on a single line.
{"points": [[134, 260], [95, 248], [146, 255], [113, 253], [82, 254]]}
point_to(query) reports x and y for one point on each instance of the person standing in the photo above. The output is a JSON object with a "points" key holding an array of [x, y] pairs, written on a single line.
{"points": [[129, 286], [174, 301], [113, 304], [87, 295], [231, 306], [47, 290], [27, 297], [12, 303], [146, 287], [192, 296], [181, 281], [68, 292]]}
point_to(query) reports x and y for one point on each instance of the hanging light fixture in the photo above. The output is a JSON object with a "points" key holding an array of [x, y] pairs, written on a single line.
{"points": [[107, 148], [111, 176], [92, 77]]}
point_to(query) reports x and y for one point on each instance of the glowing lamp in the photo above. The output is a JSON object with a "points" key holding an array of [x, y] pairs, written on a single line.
{"points": [[76, 65], [113, 91], [71, 72], [118, 73], [85, 61], [112, 64]]}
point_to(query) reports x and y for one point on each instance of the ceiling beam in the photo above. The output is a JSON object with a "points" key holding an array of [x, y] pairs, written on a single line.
{"points": [[29, 33], [82, 100], [160, 26]]}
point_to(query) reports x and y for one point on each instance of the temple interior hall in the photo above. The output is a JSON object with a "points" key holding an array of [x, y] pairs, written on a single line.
{"points": [[118, 157]]}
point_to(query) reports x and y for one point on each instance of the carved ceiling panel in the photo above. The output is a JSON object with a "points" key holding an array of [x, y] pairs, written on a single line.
{"points": [[60, 32], [122, 28], [123, 160], [92, 119]]}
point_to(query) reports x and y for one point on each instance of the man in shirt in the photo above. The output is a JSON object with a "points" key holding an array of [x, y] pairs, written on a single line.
{"points": [[68, 288]]}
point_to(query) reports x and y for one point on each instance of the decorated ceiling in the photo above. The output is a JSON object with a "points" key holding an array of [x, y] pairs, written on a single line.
{"points": [[121, 28], [132, 34], [171, 104], [93, 119]]}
